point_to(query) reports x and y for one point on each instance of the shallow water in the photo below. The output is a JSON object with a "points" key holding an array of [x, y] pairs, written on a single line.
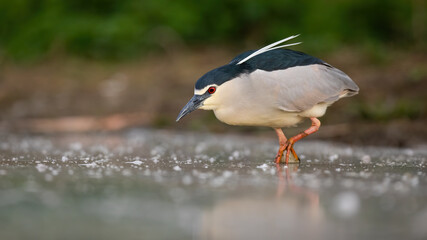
{"points": [[145, 184]]}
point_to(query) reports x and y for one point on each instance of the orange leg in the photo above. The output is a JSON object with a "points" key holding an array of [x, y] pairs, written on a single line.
{"points": [[283, 145], [315, 124]]}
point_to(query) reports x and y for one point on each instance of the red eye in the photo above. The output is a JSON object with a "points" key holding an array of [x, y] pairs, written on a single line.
{"points": [[211, 90]]}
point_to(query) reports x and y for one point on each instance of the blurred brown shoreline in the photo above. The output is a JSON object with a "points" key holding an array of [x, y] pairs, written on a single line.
{"points": [[395, 134]]}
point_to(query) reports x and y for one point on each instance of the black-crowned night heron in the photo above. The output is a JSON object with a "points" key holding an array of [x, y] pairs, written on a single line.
{"points": [[271, 87]]}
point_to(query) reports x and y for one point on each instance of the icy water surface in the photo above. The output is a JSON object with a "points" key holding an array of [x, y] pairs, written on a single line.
{"points": [[146, 184]]}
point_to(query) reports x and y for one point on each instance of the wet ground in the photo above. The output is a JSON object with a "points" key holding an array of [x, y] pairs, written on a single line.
{"points": [[144, 184]]}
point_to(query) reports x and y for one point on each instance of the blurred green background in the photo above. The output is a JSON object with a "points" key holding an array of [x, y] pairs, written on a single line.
{"points": [[95, 65], [113, 29]]}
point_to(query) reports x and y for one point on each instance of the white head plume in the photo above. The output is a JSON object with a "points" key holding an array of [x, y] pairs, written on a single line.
{"points": [[271, 47]]}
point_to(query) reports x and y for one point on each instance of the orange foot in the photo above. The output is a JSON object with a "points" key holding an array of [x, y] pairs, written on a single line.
{"points": [[288, 147]]}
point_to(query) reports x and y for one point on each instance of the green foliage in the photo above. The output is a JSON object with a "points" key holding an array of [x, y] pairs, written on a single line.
{"points": [[127, 28], [382, 111]]}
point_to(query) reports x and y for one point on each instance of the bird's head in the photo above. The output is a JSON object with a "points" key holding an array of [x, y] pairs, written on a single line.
{"points": [[208, 89]]}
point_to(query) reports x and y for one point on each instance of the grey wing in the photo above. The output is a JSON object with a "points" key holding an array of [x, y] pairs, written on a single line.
{"points": [[300, 88]]}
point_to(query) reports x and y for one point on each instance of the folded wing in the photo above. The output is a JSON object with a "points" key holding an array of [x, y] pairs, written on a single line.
{"points": [[299, 88]]}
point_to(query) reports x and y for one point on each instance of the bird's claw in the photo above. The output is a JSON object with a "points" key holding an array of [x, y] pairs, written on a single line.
{"points": [[289, 148]]}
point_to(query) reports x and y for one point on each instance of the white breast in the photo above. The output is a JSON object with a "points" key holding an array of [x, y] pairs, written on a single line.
{"points": [[238, 103]]}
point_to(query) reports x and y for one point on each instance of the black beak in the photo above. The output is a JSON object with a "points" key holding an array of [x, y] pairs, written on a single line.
{"points": [[195, 102]]}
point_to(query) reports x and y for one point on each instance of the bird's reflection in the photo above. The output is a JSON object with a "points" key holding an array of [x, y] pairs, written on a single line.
{"points": [[286, 185], [276, 216]]}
